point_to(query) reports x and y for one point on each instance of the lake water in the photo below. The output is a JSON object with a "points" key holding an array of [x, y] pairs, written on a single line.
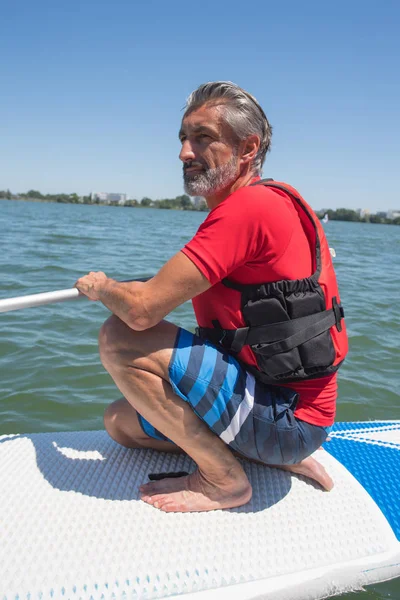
{"points": [[51, 376]]}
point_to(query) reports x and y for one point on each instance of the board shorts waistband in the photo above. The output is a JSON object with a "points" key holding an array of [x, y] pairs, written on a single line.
{"points": [[255, 419]]}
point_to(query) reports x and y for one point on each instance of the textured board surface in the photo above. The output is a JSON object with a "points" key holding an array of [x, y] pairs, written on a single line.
{"points": [[371, 452], [72, 525]]}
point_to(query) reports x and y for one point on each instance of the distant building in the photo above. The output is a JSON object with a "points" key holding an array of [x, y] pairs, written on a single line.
{"points": [[199, 201], [393, 214], [363, 212], [110, 198]]}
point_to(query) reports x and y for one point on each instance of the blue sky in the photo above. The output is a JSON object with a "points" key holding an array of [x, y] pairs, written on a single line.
{"points": [[91, 92]]}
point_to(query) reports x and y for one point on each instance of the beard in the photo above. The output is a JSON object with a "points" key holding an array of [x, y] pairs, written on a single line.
{"points": [[211, 181]]}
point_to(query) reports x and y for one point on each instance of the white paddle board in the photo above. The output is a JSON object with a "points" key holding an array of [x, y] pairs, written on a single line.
{"points": [[73, 526]]}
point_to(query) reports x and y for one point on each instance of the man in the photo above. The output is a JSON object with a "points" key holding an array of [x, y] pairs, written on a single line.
{"points": [[183, 393]]}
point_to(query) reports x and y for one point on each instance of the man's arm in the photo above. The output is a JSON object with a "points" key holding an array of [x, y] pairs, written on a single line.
{"points": [[143, 305]]}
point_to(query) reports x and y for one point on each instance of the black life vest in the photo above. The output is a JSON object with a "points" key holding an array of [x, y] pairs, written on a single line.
{"points": [[294, 327]]}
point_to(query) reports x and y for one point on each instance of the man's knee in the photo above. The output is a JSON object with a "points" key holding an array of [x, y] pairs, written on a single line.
{"points": [[122, 347], [111, 418]]}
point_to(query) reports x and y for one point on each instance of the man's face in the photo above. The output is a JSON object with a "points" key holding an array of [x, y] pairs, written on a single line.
{"points": [[210, 162]]}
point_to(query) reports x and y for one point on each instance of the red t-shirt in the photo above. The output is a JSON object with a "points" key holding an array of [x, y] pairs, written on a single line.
{"points": [[255, 236]]}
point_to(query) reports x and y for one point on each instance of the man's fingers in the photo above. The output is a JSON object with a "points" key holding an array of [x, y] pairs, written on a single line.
{"points": [[91, 284]]}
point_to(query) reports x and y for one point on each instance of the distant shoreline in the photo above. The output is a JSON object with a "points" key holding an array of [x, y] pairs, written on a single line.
{"points": [[179, 203], [341, 214]]}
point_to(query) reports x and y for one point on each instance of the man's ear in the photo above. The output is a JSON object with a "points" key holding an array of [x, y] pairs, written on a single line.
{"points": [[250, 147]]}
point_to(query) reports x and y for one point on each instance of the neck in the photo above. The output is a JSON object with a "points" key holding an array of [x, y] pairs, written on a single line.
{"points": [[241, 181]]}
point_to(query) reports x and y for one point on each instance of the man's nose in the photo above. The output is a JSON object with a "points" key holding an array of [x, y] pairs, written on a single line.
{"points": [[186, 152]]}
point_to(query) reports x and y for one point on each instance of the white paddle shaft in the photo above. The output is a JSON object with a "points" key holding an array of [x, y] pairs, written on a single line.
{"points": [[9, 304], [32, 300]]}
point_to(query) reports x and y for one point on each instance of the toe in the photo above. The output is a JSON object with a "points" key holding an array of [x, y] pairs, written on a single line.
{"points": [[156, 500], [172, 504]]}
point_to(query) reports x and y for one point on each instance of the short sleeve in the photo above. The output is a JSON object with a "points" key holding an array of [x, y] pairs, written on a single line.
{"points": [[253, 224]]}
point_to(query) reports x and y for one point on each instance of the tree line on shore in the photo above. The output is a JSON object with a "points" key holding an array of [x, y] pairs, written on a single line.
{"points": [[183, 202], [347, 214]]}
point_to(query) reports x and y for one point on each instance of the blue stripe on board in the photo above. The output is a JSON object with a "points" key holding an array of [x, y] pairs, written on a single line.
{"points": [[375, 466], [224, 395]]}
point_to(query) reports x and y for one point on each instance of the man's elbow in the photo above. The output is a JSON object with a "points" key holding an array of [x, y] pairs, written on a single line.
{"points": [[141, 322]]}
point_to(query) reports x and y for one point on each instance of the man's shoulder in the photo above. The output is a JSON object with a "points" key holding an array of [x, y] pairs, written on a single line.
{"points": [[261, 192], [261, 200], [255, 190]]}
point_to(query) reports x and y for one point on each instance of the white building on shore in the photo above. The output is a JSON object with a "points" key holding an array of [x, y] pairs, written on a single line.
{"points": [[363, 212], [109, 198], [199, 201]]}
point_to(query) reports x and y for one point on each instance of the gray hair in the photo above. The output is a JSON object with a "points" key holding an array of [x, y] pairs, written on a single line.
{"points": [[241, 112]]}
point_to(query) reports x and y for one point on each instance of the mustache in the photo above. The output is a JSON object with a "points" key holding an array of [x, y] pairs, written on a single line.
{"points": [[194, 163]]}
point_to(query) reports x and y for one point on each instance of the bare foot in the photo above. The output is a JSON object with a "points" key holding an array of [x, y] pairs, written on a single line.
{"points": [[195, 492], [311, 468]]}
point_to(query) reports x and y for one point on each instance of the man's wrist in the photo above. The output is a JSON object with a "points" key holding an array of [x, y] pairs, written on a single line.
{"points": [[106, 289]]}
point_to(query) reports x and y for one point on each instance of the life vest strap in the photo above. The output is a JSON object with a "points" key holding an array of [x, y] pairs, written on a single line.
{"points": [[277, 337]]}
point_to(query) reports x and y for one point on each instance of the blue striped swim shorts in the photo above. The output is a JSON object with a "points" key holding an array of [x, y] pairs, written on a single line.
{"points": [[253, 418]]}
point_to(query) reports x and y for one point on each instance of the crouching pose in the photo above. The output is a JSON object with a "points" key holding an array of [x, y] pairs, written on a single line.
{"points": [[258, 378]]}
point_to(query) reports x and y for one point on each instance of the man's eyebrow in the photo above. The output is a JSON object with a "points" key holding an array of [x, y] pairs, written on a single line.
{"points": [[197, 129]]}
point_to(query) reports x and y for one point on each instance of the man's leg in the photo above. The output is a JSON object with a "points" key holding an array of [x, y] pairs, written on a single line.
{"points": [[122, 424], [138, 362]]}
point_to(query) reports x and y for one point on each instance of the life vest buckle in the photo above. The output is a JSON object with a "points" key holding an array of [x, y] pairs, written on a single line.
{"points": [[223, 336], [338, 312]]}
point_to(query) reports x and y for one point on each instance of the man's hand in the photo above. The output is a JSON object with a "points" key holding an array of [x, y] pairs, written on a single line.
{"points": [[142, 305], [93, 284]]}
